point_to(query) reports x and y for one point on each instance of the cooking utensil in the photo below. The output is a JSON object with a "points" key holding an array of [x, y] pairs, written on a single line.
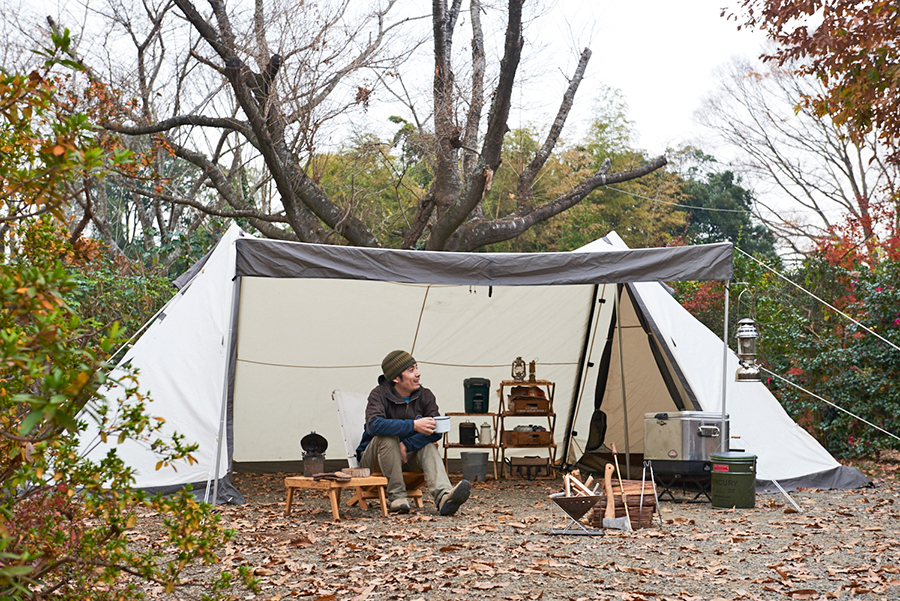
{"points": [[649, 464]]}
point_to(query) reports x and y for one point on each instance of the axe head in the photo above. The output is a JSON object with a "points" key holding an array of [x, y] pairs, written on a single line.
{"points": [[622, 523]]}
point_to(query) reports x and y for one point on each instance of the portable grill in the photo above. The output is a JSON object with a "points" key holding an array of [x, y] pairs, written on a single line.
{"points": [[575, 508]]}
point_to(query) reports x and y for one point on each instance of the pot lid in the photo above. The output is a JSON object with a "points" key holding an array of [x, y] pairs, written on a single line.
{"points": [[314, 443]]}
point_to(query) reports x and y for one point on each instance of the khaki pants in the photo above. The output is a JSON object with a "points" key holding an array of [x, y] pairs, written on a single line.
{"points": [[383, 455]]}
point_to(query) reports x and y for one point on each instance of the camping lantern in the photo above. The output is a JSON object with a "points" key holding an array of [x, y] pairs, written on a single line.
{"points": [[314, 446], [532, 367], [746, 337], [518, 370]]}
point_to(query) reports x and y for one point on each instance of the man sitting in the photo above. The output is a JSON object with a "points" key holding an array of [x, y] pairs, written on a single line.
{"points": [[400, 430]]}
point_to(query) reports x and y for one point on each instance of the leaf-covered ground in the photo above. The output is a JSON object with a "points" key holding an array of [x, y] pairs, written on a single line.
{"points": [[841, 545]]}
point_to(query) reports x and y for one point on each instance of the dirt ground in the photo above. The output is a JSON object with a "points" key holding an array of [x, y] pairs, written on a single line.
{"points": [[840, 545]]}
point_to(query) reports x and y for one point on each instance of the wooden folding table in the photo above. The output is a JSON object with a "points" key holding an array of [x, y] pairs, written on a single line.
{"points": [[334, 490]]}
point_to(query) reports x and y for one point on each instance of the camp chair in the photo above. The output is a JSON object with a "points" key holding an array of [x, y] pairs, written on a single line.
{"points": [[351, 409]]}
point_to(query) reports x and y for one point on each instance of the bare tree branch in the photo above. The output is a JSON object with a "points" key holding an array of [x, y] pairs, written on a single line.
{"points": [[476, 234]]}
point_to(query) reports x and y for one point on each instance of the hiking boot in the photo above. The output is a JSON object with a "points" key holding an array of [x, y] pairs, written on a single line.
{"points": [[399, 506], [455, 497]]}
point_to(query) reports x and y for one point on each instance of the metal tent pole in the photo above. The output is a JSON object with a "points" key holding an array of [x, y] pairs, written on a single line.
{"points": [[622, 378], [724, 442]]}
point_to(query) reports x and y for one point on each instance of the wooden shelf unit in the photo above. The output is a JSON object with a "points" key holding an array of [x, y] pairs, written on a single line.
{"points": [[493, 447], [549, 389]]}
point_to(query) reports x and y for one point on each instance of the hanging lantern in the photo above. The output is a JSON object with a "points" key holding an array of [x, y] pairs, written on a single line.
{"points": [[746, 337], [518, 369]]}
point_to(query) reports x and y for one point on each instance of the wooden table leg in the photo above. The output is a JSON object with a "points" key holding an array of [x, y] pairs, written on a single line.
{"points": [[334, 495], [290, 498], [381, 497]]}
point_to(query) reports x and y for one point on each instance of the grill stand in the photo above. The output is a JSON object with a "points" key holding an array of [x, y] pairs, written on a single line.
{"points": [[574, 508]]}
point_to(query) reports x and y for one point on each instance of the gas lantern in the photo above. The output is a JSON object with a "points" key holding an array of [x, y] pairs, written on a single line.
{"points": [[746, 338]]}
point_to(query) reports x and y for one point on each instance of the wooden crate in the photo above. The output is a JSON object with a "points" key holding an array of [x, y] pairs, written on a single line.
{"points": [[529, 406], [529, 467], [511, 438]]}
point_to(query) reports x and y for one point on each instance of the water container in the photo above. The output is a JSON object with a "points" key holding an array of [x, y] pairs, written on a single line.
{"points": [[467, 434], [477, 393], [486, 434]]}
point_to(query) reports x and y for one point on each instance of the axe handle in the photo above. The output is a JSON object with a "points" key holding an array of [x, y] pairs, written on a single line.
{"points": [[619, 474], [607, 486]]}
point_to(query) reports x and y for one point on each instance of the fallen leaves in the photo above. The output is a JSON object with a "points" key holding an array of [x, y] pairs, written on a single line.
{"points": [[498, 547]]}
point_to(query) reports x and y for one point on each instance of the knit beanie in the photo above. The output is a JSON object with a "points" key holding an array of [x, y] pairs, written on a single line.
{"points": [[396, 363]]}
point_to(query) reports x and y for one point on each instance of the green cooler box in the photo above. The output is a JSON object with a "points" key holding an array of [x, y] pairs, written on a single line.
{"points": [[477, 394]]}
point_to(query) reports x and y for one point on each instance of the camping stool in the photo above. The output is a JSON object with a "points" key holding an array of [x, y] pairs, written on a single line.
{"points": [[334, 490]]}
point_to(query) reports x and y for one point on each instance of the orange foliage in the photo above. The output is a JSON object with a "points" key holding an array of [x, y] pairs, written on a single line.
{"points": [[852, 49]]}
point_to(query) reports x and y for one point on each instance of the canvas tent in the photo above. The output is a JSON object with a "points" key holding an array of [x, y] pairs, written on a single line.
{"points": [[261, 332]]}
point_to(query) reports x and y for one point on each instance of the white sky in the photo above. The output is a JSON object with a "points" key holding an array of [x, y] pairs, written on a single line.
{"points": [[661, 54]]}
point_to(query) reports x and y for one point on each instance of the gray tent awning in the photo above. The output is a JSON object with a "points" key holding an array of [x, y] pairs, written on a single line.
{"points": [[271, 258]]}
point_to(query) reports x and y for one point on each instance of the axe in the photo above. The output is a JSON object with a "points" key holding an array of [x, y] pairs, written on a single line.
{"points": [[609, 517]]}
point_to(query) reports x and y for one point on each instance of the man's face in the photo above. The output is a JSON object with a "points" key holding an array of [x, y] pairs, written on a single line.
{"points": [[408, 381]]}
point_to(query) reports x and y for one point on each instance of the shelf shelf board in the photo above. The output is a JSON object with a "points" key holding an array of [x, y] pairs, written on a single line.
{"points": [[549, 445], [459, 445]]}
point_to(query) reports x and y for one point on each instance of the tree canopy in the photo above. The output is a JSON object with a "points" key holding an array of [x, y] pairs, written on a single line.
{"points": [[852, 50], [234, 110]]}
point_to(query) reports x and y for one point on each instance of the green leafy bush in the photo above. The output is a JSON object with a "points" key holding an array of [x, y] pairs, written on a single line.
{"points": [[64, 517]]}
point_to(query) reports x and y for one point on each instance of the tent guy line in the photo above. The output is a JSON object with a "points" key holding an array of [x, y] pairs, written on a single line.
{"points": [[824, 400], [826, 303]]}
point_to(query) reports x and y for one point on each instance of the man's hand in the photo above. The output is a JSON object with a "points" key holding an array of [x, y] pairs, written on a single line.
{"points": [[403, 452], [425, 425]]}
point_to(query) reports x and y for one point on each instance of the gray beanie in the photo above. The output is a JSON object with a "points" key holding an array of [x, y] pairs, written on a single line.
{"points": [[396, 363]]}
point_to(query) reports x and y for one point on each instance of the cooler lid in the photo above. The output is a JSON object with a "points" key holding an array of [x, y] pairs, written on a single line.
{"points": [[314, 443], [706, 416]]}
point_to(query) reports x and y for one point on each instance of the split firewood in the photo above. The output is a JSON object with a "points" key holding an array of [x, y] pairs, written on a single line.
{"points": [[576, 483]]}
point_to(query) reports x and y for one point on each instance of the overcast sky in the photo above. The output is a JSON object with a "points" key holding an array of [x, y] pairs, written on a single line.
{"points": [[661, 54]]}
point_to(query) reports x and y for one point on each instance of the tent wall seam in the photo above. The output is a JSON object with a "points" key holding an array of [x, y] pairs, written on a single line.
{"points": [[583, 366]]}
